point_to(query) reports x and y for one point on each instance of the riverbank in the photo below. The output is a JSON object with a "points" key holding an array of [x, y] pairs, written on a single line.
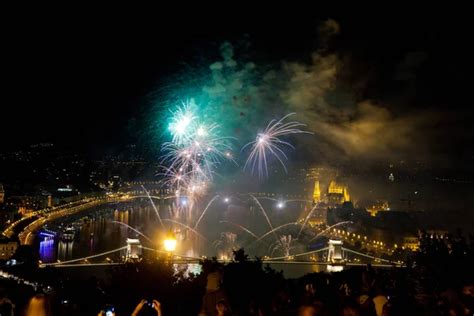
{"points": [[26, 236]]}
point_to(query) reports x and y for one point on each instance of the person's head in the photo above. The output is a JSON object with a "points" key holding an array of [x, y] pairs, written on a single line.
{"points": [[379, 290], [468, 290], [310, 289], [307, 310], [221, 307], [38, 305]]}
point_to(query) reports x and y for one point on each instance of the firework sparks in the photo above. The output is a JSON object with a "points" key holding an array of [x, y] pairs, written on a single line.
{"points": [[194, 152], [189, 161], [269, 143], [182, 120], [283, 244], [226, 245]]}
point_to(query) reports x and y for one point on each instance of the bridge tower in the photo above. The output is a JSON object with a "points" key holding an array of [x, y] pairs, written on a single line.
{"points": [[335, 257], [134, 249], [335, 251]]}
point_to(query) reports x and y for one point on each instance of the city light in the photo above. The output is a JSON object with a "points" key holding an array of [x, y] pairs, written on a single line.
{"points": [[226, 200], [170, 242]]}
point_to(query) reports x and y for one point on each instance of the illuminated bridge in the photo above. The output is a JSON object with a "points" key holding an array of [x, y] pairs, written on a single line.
{"points": [[332, 255], [336, 257]]}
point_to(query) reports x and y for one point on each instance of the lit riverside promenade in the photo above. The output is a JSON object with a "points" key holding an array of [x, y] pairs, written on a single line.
{"points": [[45, 216]]}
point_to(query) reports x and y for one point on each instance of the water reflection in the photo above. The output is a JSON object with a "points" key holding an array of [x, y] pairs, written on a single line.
{"points": [[46, 250], [65, 250], [95, 232]]}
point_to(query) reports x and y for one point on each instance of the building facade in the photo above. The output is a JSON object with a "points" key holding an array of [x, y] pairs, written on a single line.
{"points": [[2, 194], [7, 249]]}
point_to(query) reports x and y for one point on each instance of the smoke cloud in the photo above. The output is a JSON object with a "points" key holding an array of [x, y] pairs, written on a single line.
{"points": [[244, 95]]}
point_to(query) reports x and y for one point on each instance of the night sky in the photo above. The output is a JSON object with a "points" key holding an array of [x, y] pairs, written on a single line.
{"points": [[89, 80]]}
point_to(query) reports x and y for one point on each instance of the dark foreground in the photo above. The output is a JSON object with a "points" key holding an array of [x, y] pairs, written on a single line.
{"points": [[437, 281]]}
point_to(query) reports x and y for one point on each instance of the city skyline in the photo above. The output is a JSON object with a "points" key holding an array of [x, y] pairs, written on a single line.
{"points": [[236, 161], [346, 116]]}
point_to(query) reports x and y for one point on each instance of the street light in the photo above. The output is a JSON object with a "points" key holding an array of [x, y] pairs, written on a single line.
{"points": [[170, 242], [226, 200]]}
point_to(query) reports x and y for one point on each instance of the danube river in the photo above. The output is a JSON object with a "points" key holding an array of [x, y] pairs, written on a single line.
{"points": [[96, 230], [107, 227]]}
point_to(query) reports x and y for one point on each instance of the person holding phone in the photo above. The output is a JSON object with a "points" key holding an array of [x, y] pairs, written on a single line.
{"points": [[108, 310], [151, 304]]}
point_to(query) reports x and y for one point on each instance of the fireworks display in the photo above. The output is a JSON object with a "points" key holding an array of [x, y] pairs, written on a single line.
{"points": [[196, 148], [194, 152], [190, 160], [269, 143], [229, 126], [181, 123]]}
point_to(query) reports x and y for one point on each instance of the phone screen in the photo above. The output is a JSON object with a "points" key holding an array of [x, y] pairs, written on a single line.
{"points": [[109, 311]]}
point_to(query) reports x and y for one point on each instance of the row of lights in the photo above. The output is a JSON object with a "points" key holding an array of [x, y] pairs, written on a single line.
{"points": [[374, 243], [279, 205]]}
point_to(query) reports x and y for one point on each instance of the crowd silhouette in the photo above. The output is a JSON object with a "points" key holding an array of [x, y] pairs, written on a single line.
{"points": [[437, 280]]}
